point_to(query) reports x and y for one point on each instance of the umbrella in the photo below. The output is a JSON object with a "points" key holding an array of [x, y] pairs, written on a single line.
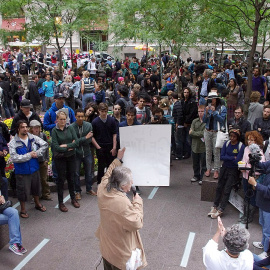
{"points": [[144, 48]]}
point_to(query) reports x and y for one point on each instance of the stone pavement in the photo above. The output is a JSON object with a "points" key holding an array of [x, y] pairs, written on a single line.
{"points": [[169, 218]]}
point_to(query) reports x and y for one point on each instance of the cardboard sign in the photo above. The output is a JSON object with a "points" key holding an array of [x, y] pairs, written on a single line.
{"points": [[147, 153], [237, 201]]}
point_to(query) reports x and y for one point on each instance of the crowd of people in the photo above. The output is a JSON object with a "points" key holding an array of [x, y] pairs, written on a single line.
{"points": [[200, 100]]}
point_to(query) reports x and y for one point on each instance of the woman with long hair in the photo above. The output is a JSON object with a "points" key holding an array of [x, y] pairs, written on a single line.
{"points": [[90, 112], [232, 97]]}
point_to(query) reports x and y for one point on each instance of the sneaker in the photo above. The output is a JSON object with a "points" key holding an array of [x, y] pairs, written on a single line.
{"points": [[78, 196], [263, 255], [91, 192], [22, 249], [16, 249], [213, 211], [194, 179], [200, 182], [217, 214], [257, 245]]}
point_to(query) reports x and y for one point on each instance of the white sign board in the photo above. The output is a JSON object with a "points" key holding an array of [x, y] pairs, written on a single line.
{"points": [[147, 153], [237, 201]]}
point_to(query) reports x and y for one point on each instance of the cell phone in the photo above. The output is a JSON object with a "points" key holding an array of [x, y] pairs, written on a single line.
{"points": [[133, 189]]}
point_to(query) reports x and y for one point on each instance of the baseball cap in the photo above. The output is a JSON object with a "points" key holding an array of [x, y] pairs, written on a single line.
{"points": [[25, 103], [59, 95], [35, 123]]}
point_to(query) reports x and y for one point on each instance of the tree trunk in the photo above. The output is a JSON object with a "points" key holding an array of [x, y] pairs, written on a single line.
{"points": [[178, 75], [71, 50], [262, 54], [251, 61], [60, 56], [222, 50]]}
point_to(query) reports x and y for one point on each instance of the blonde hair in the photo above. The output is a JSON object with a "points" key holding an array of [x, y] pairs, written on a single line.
{"points": [[255, 96], [164, 103], [68, 79], [86, 74], [60, 113]]}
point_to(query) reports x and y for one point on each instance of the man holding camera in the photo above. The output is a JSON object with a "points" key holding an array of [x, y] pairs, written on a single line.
{"points": [[158, 117]]}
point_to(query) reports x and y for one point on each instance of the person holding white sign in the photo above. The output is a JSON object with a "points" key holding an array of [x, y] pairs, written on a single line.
{"points": [[120, 219]]}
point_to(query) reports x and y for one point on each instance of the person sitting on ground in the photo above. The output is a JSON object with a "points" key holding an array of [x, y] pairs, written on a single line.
{"points": [[236, 255], [10, 216]]}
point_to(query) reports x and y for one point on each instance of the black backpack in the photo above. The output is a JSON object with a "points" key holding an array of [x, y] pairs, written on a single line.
{"points": [[23, 69]]}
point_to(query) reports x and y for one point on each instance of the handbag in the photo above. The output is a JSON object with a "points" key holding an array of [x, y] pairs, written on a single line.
{"points": [[222, 136], [4, 206], [41, 91]]}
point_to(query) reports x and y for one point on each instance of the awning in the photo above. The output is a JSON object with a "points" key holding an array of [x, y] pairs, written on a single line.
{"points": [[23, 44], [16, 24]]}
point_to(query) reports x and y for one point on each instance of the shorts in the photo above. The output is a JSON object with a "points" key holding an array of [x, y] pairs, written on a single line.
{"points": [[28, 184]]}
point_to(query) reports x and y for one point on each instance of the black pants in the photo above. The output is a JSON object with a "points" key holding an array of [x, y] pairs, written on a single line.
{"points": [[105, 158], [228, 177], [109, 266], [65, 168], [199, 165]]}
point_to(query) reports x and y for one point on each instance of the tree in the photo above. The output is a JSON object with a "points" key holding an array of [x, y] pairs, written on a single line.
{"points": [[58, 19], [245, 18]]}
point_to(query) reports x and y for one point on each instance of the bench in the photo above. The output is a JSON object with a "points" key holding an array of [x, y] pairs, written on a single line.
{"points": [[208, 190]]}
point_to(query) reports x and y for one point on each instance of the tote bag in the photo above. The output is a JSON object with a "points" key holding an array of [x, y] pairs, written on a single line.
{"points": [[222, 136]]}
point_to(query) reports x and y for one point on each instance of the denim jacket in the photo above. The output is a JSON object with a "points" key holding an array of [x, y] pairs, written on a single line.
{"points": [[219, 116]]}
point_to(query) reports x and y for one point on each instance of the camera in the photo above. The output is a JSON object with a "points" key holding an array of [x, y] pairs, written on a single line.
{"points": [[156, 118]]}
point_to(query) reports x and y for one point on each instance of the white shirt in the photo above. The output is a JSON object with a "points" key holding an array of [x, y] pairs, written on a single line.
{"points": [[214, 259]]}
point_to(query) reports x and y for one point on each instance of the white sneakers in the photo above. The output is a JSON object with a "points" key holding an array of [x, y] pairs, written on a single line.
{"points": [[263, 255], [257, 245]]}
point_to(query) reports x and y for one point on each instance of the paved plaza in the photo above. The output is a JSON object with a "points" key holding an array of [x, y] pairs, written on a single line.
{"points": [[173, 218]]}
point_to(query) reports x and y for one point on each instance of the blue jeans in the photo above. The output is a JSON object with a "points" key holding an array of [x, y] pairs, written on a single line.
{"points": [[86, 98], [8, 109], [4, 188], [87, 165], [263, 262], [43, 103], [10, 216], [264, 220]]}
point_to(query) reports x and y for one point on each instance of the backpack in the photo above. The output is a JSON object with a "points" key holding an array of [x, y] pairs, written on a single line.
{"points": [[23, 69], [89, 85], [99, 96], [127, 104], [239, 145]]}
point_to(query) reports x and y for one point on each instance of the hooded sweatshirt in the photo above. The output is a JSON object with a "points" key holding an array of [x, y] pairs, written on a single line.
{"points": [[254, 111]]}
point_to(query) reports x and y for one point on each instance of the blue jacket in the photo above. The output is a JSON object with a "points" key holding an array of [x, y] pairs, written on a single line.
{"points": [[263, 188], [219, 115], [50, 117], [20, 153]]}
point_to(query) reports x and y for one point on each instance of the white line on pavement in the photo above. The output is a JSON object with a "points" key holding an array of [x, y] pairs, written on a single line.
{"points": [[188, 248], [153, 192], [16, 205], [65, 200], [31, 254]]}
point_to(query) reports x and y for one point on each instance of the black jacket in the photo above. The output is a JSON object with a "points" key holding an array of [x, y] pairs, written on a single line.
{"points": [[177, 113], [33, 93], [210, 85], [243, 125], [21, 116], [264, 126], [190, 110], [7, 95]]}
